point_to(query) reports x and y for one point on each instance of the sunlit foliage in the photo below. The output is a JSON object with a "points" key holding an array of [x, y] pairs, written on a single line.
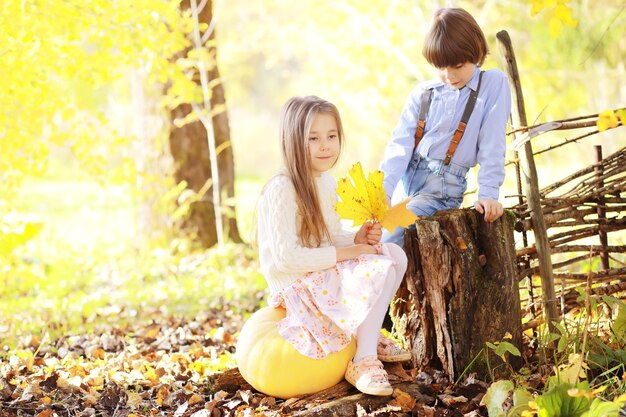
{"points": [[58, 61]]}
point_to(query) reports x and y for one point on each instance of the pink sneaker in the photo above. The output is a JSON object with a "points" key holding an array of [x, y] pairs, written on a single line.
{"points": [[369, 376], [388, 351]]}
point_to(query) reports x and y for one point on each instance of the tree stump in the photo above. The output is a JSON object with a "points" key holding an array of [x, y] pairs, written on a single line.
{"points": [[460, 291]]}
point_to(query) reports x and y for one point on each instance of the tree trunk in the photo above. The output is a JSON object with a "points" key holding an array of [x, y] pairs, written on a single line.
{"points": [[460, 291], [189, 148]]}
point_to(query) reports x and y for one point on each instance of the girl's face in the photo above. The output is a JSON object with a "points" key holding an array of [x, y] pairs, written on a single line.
{"points": [[323, 143], [457, 76]]}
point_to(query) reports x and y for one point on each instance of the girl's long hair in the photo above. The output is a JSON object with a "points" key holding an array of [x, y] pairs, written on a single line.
{"points": [[297, 116]]}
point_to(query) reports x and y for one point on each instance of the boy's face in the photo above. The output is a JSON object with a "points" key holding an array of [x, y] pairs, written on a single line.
{"points": [[457, 76]]}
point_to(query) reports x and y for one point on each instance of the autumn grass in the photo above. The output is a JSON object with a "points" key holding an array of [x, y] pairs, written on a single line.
{"points": [[83, 271]]}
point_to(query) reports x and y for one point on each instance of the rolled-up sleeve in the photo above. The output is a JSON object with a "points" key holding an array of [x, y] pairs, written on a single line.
{"points": [[492, 139], [399, 150]]}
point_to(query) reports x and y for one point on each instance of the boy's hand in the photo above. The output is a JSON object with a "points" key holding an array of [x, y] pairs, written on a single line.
{"points": [[492, 209], [369, 233]]}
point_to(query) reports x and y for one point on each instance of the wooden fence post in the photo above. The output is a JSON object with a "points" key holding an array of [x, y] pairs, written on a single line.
{"points": [[531, 189], [601, 209]]}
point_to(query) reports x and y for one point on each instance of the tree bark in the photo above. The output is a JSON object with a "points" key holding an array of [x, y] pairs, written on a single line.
{"points": [[189, 148], [460, 291]]}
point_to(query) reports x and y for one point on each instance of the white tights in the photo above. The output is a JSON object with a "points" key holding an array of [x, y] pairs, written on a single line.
{"points": [[368, 331]]}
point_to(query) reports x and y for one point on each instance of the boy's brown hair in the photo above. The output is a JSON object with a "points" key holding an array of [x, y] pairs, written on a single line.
{"points": [[454, 38]]}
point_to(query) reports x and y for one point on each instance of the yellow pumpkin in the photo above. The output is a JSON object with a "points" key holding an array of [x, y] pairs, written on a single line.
{"points": [[274, 367]]}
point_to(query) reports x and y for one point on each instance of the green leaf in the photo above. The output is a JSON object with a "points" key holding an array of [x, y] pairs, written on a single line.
{"points": [[495, 397], [558, 403], [551, 337], [560, 327], [504, 347], [600, 408], [611, 300], [521, 398], [563, 343], [619, 325]]}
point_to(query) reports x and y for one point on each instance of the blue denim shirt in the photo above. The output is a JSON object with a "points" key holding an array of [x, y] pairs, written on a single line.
{"points": [[483, 143]]}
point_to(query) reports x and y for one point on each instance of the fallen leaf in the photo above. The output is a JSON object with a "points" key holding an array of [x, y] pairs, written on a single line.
{"points": [[448, 399], [403, 400], [97, 353], [194, 399], [162, 394], [181, 410], [134, 400], [397, 372], [220, 395], [50, 383]]}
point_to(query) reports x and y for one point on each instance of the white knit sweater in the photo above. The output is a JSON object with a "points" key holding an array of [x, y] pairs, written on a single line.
{"points": [[283, 259]]}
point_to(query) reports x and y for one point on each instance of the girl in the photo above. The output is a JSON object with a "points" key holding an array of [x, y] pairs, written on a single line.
{"points": [[333, 283]]}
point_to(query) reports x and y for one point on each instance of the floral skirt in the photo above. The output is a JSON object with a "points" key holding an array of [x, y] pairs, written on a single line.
{"points": [[325, 308]]}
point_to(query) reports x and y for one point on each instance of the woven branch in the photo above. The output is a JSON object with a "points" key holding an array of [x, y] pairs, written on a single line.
{"points": [[611, 166], [565, 124], [577, 213], [565, 142]]}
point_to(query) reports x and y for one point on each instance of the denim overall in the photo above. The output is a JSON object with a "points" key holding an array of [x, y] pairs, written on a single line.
{"points": [[433, 186]]}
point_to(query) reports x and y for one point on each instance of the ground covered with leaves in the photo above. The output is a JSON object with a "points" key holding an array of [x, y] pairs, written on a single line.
{"points": [[159, 367], [173, 367], [167, 366], [160, 341]]}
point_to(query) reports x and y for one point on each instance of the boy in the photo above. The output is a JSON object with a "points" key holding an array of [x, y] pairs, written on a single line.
{"points": [[462, 120]]}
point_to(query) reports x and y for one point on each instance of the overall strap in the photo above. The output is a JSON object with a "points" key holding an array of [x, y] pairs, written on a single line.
{"points": [[458, 134], [421, 123]]}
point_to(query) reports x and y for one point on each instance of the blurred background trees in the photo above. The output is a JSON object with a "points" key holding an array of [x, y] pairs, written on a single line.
{"points": [[88, 86], [106, 198]]}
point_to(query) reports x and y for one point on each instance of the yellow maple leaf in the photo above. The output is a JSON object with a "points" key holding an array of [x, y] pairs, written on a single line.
{"points": [[564, 14], [539, 5], [621, 113], [397, 216], [606, 120], [365, 200]]}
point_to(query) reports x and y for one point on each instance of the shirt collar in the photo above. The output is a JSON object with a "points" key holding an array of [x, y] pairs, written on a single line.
{"points": [[472, 83]]}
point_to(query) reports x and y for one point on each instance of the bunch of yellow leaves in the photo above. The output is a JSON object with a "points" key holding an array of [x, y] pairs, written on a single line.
{"points": [[608, 119], [365, 200]]}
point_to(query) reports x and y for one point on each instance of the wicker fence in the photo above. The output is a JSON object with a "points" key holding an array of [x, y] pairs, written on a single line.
{"points": [[583, 212]]}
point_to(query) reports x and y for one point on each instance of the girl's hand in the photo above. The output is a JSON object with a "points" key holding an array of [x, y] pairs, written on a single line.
{"points": [[353, 252], [491, 208], [369, 233], [374, 234]]}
